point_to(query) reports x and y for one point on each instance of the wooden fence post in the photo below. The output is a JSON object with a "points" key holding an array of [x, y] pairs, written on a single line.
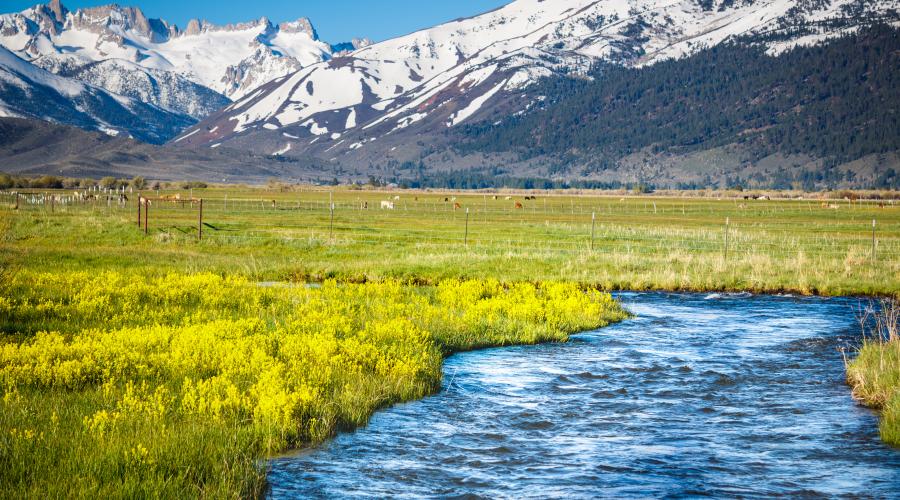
{"points": [[727, 221], [593, 221], [331, 224], [17, 200], [874, 243], [140, 200], [200, 223], [146, 217], [466, 238]]}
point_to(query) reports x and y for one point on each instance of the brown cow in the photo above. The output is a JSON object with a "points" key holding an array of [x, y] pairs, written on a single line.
{"points": [[519, 205], [456, 206]]}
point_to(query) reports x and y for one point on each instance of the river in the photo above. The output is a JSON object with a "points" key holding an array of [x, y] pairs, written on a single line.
{"points": [[699, 394]]}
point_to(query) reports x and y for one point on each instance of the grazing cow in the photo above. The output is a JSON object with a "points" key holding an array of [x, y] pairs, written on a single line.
{"points": [[453, 199], [387, 205], [446, 200], [508, 198], [171, 197], [396, 198], [495, 197], [519, 205], [456, 206]]}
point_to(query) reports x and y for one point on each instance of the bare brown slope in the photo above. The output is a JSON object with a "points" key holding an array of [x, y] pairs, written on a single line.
{"points": [[36, 147]]}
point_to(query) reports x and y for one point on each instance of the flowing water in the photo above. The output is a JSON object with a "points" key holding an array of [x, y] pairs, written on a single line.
{"points": [[723, 395]]}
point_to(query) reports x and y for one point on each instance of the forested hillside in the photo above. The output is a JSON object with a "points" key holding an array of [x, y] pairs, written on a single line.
{"points": [[837, 102]]}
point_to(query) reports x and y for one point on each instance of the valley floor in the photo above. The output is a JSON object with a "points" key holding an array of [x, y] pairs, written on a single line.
{"points": [[811, 246], [146, 360]]}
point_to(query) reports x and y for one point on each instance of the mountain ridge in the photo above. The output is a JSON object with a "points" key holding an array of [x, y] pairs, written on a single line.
{"points": [[29, 91], [443, 76], [430, 103], [230, 60]]}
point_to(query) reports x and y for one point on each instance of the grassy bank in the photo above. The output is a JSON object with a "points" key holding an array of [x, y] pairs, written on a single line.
{"points": [[640, 243], [120, 385], [874, 374], [154, 364]]}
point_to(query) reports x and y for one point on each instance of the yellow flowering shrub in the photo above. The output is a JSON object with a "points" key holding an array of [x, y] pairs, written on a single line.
{"points": [[287, 364]]}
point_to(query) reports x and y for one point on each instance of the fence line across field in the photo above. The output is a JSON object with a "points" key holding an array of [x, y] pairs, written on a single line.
{"points": [[567, 224]]}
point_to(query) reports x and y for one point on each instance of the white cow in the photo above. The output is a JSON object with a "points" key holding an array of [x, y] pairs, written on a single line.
{"points": [[389, 205]]}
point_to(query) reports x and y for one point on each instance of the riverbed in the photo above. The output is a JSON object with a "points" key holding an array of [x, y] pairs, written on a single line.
{"points": [[699, 394]]}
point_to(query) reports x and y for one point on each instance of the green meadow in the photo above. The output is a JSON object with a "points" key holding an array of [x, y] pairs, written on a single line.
{"points": [[159, 350], [612, 241]]}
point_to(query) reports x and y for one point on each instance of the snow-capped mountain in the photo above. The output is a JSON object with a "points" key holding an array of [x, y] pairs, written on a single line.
{"points": [[375, 104], [230, 60], [31, 92], [165, 89]]}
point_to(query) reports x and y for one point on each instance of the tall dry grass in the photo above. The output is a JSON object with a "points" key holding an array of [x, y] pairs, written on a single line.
{"points": [[874, 374]]}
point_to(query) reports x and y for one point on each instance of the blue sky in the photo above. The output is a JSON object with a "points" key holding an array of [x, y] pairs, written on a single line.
{"points": [[335, 20]]}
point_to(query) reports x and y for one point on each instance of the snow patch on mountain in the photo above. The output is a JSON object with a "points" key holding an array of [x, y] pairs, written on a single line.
{"points": [[231, 60], [29, 91], [453, 69]]}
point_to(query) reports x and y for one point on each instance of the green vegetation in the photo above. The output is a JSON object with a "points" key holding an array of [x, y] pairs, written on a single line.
{"points": [[837, 101], [120, 385], [874, 374], [158, 364], [807, 245], [127, 369]]}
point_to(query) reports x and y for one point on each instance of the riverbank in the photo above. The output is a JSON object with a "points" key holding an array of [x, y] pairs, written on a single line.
{"points": [[874, 373], [716, 395], [121, 384]]}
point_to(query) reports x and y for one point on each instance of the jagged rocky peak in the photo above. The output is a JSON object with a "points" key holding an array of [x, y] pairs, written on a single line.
{"points": [[51, 17], [194, 27], [198, 26], [101, 19], [302, 25]]}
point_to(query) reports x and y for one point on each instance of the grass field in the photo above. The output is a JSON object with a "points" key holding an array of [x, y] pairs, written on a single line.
{"points": [[146, 361], [640, 243]]}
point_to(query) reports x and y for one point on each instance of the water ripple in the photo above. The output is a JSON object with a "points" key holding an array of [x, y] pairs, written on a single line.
{"points": [[701, 395]]}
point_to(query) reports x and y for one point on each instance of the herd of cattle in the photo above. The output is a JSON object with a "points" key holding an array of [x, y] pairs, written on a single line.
{"points": [[389, 204]]}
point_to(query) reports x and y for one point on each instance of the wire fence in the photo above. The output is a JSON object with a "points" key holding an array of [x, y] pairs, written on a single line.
{"points": [[735, 228]]}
